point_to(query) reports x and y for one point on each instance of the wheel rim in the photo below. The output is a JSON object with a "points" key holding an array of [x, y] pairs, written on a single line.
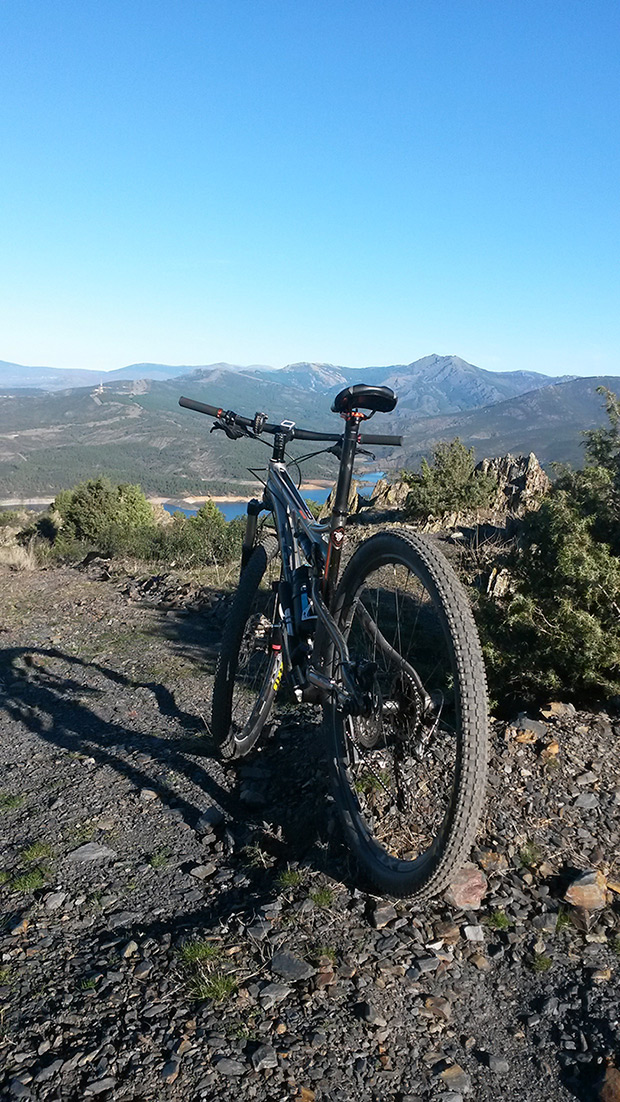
{"points": [[400, 763]]}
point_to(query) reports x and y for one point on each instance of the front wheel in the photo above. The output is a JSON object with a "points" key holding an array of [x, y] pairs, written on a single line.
{"points": [[249, 668], [409, 773]]}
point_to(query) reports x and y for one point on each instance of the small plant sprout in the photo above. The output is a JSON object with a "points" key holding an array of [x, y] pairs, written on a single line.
{"points": [[541, 963], [30, 881], [195, 951], [321, 952], [322, 897], [36, 850], [290, 878], [9, 802], [563, 920], [498, 920], [530, 855], [218, 987], [159, 859]]}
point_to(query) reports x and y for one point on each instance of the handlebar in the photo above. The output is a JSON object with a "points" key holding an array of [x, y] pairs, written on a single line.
{"points": [[292, 431]]}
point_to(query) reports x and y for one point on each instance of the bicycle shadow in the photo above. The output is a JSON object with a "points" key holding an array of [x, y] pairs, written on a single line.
{"points": [[280, 793], [47, 691]]}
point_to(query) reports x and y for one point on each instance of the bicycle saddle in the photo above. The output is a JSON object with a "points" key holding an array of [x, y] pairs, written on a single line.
{"points": [[380, 399]]}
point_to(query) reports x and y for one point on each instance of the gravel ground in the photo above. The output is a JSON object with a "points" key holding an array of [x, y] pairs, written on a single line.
{"points": [[176, 929]]}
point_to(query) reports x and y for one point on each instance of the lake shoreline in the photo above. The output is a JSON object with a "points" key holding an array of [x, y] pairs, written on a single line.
{"points": [[194, 500]]}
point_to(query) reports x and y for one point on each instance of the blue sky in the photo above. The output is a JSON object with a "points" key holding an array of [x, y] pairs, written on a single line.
{"points": [[265, 181]]}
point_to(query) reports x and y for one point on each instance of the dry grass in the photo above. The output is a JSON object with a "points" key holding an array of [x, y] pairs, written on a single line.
{"points": [[18, 558]]}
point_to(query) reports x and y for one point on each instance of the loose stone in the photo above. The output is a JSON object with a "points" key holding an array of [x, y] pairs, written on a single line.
{"points": [[498, 1065], [204, 872], [290, 967], [610, 1090], [99, 1086], [456, 1079], [226, 1066], [55, 900], [264, 1057], [92, 851], [382, 914], [170, 1071], [210, 818], [467, 889], [439, 1006], [474, 933], [587, 890]]}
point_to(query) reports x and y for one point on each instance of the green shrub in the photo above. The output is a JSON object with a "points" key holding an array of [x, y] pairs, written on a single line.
{"points": [[10, 518], [558, 628], [450, 484], [118, 520], [99, 513]]}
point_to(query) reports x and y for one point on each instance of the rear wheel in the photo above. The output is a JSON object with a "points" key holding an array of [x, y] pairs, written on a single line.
{"points": [[410, 773], [249, 668]]}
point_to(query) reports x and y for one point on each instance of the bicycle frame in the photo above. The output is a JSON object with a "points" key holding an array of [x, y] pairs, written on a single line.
{"points": [[303, 538]]}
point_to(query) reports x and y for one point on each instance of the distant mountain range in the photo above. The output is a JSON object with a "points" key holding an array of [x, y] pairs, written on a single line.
{"points": [[433, 384], [133, 429], [17, 376]]}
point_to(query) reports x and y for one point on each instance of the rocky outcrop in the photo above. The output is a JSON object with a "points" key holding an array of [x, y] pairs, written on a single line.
{"points": [[521, 486], [521, 482]]}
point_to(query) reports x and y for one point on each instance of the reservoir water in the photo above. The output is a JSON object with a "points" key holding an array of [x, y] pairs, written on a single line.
{"points": [[232, 509]]}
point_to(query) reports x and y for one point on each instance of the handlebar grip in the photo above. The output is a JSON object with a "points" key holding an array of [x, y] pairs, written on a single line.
{"points": [[390, 441], [200, 407]]}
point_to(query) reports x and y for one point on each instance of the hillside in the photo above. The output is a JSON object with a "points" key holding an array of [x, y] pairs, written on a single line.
{"points": [[548, 421], [135, 430]]}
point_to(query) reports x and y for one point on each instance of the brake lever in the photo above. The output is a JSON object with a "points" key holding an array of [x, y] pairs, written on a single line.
{"points": [[233, 432], [337, 451]]}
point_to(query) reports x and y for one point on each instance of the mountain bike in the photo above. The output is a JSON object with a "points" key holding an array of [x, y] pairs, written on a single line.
{"points": [[389, 649]]}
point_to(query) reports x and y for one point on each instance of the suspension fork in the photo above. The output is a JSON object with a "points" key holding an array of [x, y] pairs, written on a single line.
{"points": [[249, 539]]}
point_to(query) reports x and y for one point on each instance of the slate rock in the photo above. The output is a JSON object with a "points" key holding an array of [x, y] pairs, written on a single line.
{"points": [[92, 851], [17, 1089], [474, 933], [273, 994], [48, 1072], [54, 900], [498, 1065], [264, 1057], [226, 1066], [610, 1089], [369, 1014], [382, 914], [100, 1086], [170, 1071], [290, 967], [531, 726], [457, 1079], [203, 872], [439, 1006], [210, 818]]}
